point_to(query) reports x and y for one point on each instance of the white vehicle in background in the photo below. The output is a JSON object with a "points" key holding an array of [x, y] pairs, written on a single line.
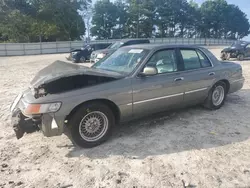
{"points": [[100, 54]]}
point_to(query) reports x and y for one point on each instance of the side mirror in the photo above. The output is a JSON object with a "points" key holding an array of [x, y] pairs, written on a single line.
{"points": [[148, 71]]}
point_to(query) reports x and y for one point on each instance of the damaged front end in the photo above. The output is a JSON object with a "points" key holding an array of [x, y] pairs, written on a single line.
{"points": [[29, 118], [39, 107], [22, 124], [62, 77], [69, 83]]}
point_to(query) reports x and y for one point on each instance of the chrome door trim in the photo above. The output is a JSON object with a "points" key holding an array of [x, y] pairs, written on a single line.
{"points": [[196, 90], [168, 96], [157, 98]]}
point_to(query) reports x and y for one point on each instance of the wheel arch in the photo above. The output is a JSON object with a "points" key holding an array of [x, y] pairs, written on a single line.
{"points": [[226, 82], [114, 108]]}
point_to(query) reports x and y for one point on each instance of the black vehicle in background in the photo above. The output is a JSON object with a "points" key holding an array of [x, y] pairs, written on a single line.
{"points": [[239, 50], [83, 54], [99, 54]]}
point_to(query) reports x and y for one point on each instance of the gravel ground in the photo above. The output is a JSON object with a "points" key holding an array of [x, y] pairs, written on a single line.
{"points": [[193, 147]]}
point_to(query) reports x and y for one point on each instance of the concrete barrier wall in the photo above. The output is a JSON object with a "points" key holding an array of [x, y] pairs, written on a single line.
{"points": [[12, 49]]}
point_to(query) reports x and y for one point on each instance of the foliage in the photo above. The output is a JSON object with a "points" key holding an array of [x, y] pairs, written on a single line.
{"points": [[168, 18], [41, 20], [51, 20]]}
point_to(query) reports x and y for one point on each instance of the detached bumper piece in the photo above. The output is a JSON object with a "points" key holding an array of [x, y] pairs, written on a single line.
{"points": [[23, 125]]}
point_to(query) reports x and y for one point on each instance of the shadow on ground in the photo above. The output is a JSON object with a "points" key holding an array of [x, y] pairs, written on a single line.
{"points": [[171, 132]]}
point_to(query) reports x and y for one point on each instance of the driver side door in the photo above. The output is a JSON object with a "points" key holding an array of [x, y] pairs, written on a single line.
{"points": [[161, 91]]}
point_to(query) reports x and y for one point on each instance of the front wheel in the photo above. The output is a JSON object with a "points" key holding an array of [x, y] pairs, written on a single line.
{"points": [[91, 125], [216, 97]]}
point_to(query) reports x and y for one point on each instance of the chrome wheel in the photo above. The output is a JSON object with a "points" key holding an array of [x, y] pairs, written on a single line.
{"points": [[218, 95], [93, 126]]}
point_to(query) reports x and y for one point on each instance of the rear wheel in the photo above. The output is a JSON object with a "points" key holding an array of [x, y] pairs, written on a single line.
{"points": [[240, 57], [91, 125], [216, 97]]}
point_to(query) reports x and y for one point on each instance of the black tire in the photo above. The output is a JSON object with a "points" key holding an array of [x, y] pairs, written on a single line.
{"points": [[76, 60], [209, 103], [82, 59], [240, 57], [82, 112]]}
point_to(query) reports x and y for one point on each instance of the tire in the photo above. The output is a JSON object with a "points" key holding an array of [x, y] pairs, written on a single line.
{"points": [[240, 57], [82, 59], [80, 131], [210, 102], [76, 61]]}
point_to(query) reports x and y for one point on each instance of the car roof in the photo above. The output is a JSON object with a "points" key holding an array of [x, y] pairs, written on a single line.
{"points": [[159, 46], [126, 40], [100, 43]]}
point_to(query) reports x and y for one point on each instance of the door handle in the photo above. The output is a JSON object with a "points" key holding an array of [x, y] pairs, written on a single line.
{"points": [[211, 74], [178, 79]]}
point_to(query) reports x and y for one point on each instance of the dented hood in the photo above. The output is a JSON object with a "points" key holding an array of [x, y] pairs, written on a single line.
{"points": [[61, 69]]}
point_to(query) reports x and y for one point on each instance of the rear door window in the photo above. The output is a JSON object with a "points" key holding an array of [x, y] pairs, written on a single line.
{"points": [[191, 59]]}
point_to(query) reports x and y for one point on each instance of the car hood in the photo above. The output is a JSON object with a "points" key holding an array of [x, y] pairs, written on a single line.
{"points": [[106, 51], [61, 69]]}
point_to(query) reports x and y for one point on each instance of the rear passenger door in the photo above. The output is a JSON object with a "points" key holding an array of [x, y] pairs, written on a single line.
{"points": [[198, 74]]}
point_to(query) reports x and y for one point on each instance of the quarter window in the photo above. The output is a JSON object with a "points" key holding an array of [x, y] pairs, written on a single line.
{"points": [[204, 60], [164, 61]]}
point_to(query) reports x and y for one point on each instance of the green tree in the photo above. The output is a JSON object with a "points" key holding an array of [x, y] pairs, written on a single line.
{"points": [[104, 19], [121, 28], [39, 20], [222, 20]]}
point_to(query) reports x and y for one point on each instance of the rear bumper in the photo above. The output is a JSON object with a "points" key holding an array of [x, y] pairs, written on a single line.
{"points": [[236, 85]]}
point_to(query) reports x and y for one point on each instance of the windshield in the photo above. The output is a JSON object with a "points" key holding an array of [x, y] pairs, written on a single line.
{"points": [[122, 61], [116, 45], [239, 44]]}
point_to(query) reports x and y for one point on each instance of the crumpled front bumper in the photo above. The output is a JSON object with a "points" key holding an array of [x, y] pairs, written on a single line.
{"points": [[50, 124]]}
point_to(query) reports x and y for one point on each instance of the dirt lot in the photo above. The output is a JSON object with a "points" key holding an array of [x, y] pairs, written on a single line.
{"points": [[187, 148]]}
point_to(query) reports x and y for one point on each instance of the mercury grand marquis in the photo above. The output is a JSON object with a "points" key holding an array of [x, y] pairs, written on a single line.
{"points": [[132, 82]]}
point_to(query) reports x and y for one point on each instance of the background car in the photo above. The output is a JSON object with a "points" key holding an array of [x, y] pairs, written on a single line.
{"points": [[99, 54], [83, 54], [239, 50], [133, 82]]}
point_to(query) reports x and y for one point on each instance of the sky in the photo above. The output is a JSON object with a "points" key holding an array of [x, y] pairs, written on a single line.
{"points": [[244, 5]]}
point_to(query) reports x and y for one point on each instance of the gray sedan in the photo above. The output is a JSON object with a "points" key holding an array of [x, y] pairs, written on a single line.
{"points": [[132, 82]]}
